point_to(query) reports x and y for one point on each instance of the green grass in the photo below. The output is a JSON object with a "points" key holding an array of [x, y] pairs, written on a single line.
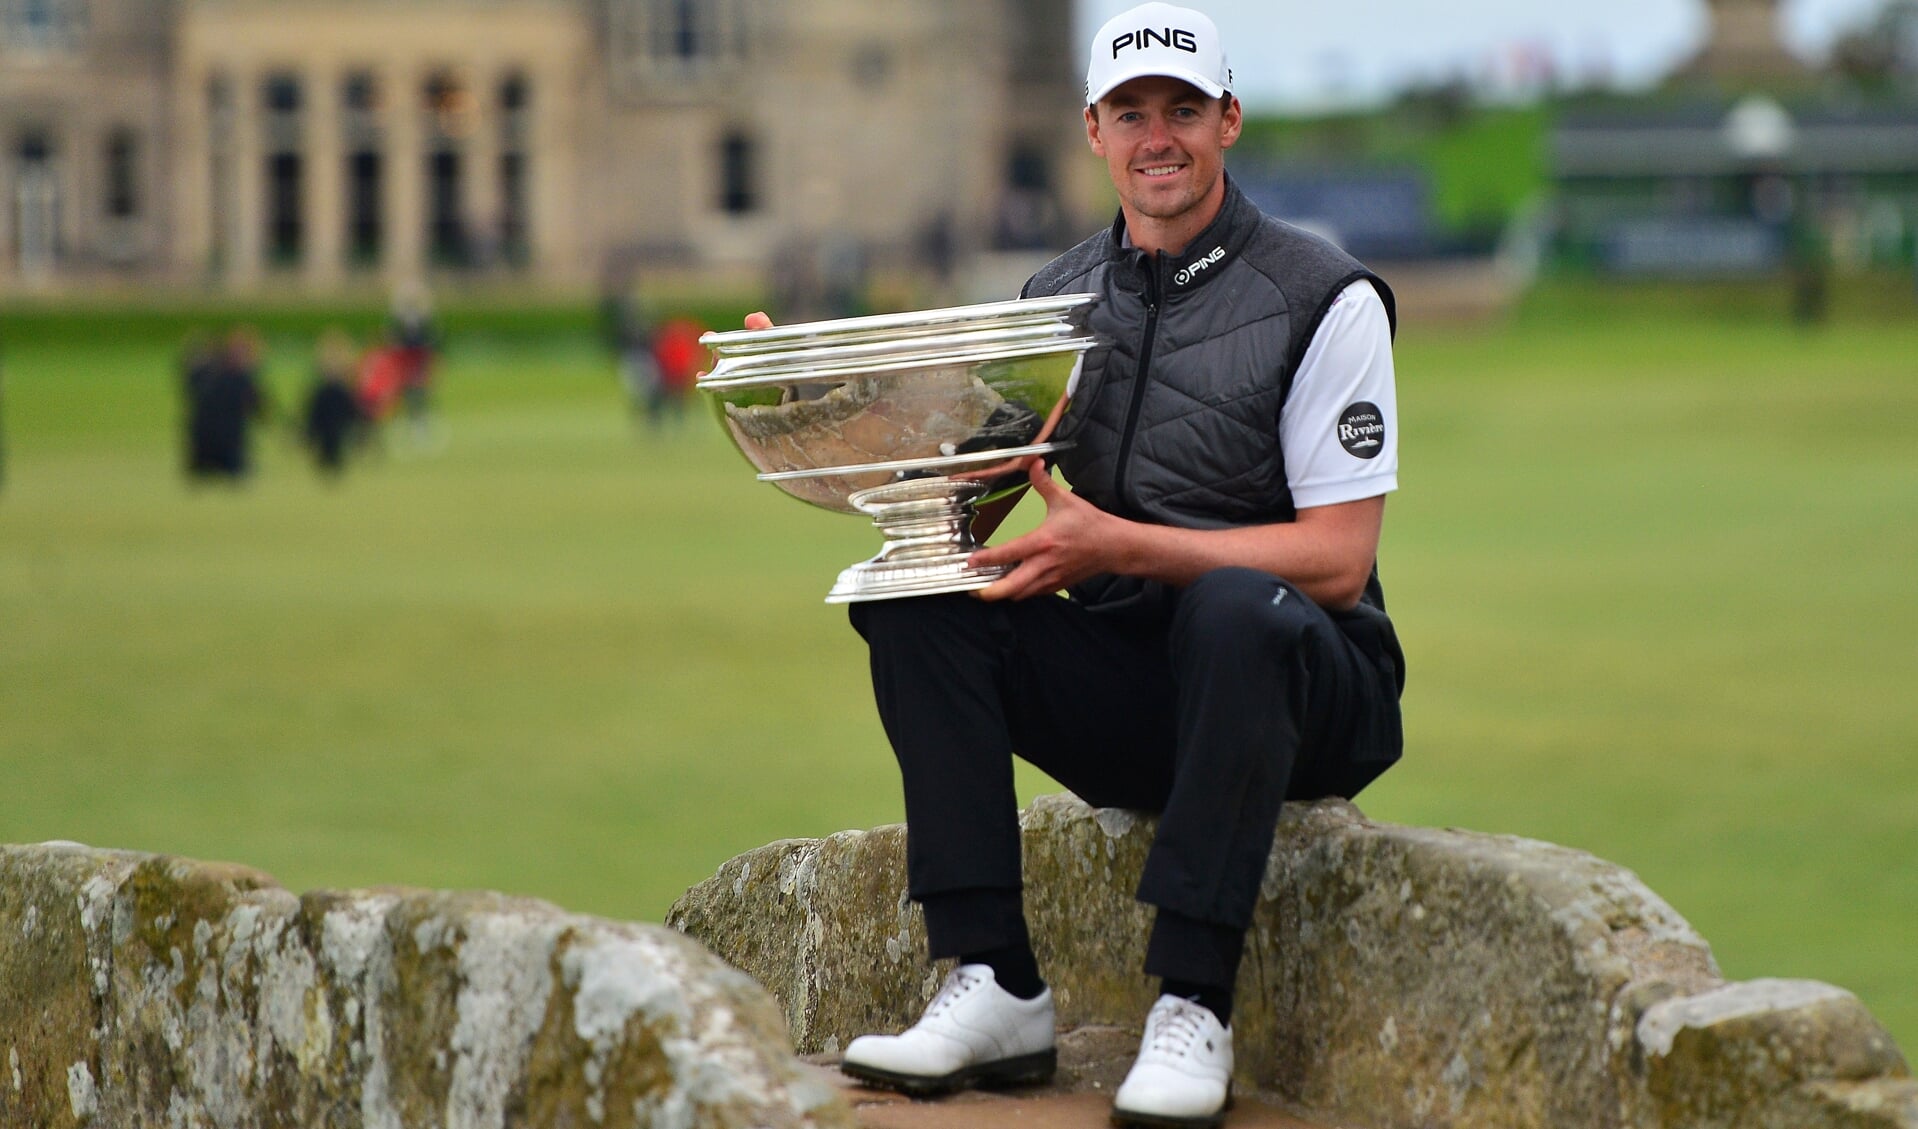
{"points": [[1654, 574]]}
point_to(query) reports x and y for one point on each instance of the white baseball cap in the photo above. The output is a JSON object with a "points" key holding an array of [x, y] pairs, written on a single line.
{"points": [[1157, 39]]}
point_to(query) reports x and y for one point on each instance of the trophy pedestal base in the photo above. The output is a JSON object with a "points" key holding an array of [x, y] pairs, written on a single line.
{"points": [[928, 528]]}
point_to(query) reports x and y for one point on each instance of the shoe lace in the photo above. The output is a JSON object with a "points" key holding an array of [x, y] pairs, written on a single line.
{"points": [[1174, 1025], [957, 985]]}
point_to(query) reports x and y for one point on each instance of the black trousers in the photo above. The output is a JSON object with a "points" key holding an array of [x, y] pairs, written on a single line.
{"points": [[1210, 705]]}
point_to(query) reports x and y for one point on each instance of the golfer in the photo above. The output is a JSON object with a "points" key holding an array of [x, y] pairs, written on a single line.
{"points": [[1225, 645]]}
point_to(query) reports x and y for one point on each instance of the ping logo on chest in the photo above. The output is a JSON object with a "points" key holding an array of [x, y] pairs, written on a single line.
{"points": [[1199, 267]]}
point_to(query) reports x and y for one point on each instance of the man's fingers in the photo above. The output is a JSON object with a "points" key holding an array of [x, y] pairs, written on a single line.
{"points": [[999, 589], [758, 320], [1008, 553], [1013, 585], [1040, 476]]}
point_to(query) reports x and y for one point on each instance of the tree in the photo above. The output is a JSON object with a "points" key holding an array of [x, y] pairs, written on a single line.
{"points": [[1882, 55]]}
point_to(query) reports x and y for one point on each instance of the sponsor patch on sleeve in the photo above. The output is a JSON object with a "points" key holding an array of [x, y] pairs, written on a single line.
{"points": [[1362, 430]]}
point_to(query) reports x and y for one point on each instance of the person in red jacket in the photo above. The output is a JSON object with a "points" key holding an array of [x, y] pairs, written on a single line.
{"points": [[679, 357]]}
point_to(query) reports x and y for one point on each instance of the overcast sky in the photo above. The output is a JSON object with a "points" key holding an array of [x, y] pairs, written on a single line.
{"points": [[1301, 54]]}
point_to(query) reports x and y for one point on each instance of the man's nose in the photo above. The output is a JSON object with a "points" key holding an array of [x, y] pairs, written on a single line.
{"points": [[1158, 132]]}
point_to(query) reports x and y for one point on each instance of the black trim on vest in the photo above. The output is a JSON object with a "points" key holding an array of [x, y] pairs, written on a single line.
{"points": [[1304, 344]]}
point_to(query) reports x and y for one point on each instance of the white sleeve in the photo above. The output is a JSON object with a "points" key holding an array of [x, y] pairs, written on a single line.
{"points": [[1339, 427]]}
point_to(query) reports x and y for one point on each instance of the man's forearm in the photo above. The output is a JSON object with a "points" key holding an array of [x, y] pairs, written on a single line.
{"points": [[1328, 552]]}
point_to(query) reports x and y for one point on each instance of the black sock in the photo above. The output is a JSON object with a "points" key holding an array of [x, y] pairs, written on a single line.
{"points": [[1014, 967], [1212, 998]]}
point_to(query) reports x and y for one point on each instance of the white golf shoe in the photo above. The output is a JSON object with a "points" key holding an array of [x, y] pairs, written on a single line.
{"points": [[974, 1033], [1183, 1075]]}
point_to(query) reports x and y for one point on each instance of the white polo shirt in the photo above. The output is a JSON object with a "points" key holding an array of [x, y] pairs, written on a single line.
{"points": [[1339, 427]]}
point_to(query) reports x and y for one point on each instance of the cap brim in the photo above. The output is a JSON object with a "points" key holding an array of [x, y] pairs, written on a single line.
{"points": [[1205, 85]]}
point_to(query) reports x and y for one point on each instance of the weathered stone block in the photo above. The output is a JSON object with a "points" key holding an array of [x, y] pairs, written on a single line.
{"points": [[1394, 976], [1728, 1057], [141, 990]]}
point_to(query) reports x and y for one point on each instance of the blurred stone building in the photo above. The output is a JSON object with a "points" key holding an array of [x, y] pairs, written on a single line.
{"points": [[1744, 45], [316, 146]]}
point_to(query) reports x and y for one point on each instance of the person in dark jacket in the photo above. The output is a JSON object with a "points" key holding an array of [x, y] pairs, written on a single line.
{"points": [[1225, 645], [224, 400], [334, 421]]}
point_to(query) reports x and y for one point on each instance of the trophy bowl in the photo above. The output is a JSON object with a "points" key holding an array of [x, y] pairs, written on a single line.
{"points": [[912, 419]]}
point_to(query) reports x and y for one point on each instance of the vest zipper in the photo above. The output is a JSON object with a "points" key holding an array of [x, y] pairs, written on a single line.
{"points": [[1138, 384]]}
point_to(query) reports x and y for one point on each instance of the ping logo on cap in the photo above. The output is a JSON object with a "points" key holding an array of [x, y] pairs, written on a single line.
{"points": [[1157, 39], [1140, 40]]}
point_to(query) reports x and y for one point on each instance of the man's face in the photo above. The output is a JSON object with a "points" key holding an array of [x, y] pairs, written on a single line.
{"points": [[1164, 143]]}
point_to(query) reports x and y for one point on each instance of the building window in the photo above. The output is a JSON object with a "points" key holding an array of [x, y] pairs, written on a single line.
{"points": [[365, 168], [1028, 209], [693, 30], [651, 43], [871, 66], [449, 107], [515, 100], [283, 227], [123, 197], [42, 25], [682, 29], [515, 230], [451, 113], [737, 189], [364, 229], [446, 229], [282, 97], [515, 105], [36, 205]]}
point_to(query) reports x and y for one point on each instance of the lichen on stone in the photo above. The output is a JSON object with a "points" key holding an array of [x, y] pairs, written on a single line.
{"points": [[166, 993]]}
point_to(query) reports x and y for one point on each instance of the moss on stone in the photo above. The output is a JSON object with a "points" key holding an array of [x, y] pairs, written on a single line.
{"points": [[48, 1012], [152, 991]]}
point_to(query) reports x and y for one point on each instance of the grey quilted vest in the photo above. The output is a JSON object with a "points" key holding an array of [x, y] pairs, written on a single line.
{"points": [[1177, 421]]}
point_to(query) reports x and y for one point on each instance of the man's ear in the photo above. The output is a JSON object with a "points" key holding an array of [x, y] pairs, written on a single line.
{"points": [[1092, 130], [1231, 125]]}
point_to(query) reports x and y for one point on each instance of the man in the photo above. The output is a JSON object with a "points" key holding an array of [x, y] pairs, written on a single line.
{"points": [[224, 397], [1225, 646]]}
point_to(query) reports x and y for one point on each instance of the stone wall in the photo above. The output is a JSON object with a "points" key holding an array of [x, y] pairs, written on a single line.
{"points": [[138, 990], [1394, 976]]}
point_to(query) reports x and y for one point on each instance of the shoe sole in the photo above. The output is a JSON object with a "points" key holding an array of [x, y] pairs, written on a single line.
{"points": [[1130, 1120], [1020, 1070]]}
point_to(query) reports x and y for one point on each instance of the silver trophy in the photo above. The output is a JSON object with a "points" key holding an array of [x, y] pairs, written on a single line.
{"points": [[912, 419]]}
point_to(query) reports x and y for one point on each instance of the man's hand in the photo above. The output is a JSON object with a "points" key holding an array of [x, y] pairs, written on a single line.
{"points": [[755, 320], [1076, 540], [1327, 551]]}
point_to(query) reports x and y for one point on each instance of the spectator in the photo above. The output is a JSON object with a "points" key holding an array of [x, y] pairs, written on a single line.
{"points": [[679, 357], [224, 400], [334, 420], [415, 341]]}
